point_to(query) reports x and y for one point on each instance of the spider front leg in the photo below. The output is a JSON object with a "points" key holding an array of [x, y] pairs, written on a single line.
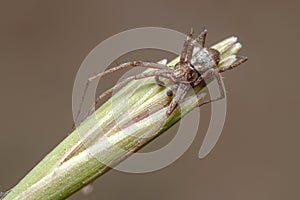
{"points": [[216, 73], [157, 66], [200, 40], [240, 60], [190, 49], [186, 46], [202, 37]]}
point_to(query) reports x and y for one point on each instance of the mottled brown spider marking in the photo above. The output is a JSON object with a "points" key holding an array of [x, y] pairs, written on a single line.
{"points": [[184, 72]]}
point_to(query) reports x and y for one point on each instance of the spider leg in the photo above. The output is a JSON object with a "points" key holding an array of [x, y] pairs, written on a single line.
{"points": [[190, 49], [240, 60], [209, 73], [201, 41], [180, 94], [201, 68], [125, 81], [127, 65], [197, 82], [202, 37], [159, 82], [182, 89], [216, 73], [122, 83], [165, 74], [198, 42], [122, 66], [186, 45]]}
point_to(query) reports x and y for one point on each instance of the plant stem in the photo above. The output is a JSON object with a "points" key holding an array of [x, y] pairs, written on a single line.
{"points": [[74, 163]]}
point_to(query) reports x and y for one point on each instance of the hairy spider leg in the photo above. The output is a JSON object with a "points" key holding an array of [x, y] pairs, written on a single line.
{"points": [[202, 38], [216, 73], [209, 73], [122, 66], [240, 60], [185, 46], [190, 48], [180, 94]]}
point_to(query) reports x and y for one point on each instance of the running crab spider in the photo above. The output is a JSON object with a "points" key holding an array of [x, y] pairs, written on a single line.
{"points": [[190, 71]]}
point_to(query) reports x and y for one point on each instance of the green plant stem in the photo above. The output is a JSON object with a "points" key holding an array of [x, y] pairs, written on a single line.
{"points": [[74, 163]]}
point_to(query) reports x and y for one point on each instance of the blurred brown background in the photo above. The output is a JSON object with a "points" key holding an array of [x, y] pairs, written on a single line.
{"points": [[42, 44]]}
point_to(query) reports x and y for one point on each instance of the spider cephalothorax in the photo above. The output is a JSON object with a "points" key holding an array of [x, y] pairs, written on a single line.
{"points": [[184, 72]]}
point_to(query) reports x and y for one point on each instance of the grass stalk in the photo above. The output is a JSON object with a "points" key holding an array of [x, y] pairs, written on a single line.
{"points": [[72, 164]]}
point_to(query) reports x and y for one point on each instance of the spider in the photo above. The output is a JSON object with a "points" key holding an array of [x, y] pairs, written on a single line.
{"points": [[190, 71]]}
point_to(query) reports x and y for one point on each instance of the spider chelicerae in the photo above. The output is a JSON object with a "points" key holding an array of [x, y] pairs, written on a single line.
{"points": [[190, 71]]}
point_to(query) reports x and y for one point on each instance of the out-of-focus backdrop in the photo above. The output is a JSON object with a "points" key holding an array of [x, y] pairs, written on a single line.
{"points": [[42, 44]]}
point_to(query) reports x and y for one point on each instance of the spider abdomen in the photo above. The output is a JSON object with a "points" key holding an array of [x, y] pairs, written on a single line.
{"points": [[205, 59]]}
